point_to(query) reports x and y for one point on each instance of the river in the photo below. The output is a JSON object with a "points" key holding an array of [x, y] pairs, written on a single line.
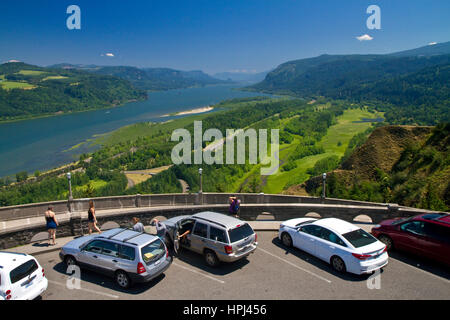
{"points": [[43, 143]]}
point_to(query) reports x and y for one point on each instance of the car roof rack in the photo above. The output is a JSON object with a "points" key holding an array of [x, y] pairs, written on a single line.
{"points": [[218, 223], [113, 235], [132, 237]]}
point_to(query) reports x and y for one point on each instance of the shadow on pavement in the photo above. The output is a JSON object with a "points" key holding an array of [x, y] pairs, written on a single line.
{"points": [[197, 261], [319, 263], [421, 263], [106, 282]]}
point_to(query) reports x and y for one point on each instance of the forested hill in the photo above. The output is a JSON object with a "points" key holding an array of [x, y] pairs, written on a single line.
{"points": [[360, 77], [407, 165], [27, 90], [153, 79]]}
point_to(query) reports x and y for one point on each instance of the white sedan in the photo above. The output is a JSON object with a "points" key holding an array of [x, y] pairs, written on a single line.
{"points": [[345, 246]]}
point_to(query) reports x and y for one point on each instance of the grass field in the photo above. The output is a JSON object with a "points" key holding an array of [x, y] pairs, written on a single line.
{"points": [[335, 142], [9, 85], [54, 78], [31, 72]]}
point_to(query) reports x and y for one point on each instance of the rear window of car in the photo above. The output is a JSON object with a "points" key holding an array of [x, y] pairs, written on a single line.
{"points": [[23, 271], [359, 238], [240, 233], [153, 251]]}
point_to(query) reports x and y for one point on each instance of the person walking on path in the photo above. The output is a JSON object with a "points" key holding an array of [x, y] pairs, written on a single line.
{"points": [[137, 225], [92, 219], [235, 205], [52, 224]]}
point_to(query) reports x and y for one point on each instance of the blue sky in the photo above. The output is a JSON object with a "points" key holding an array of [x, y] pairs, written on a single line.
{"points": [[213, 36]]}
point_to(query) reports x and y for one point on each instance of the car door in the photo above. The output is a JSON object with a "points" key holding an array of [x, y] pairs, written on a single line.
{"points": [[199, 237], [413, 237], [305, 238], [437, 242], [89, 255], [328, 244], [109, 257], [183, 226]]}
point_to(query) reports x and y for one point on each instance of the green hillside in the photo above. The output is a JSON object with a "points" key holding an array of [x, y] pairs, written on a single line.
{"points": [[407, 165], [27, 91]]}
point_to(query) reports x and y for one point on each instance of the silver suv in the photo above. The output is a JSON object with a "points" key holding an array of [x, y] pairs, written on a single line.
{"points": [[217, 236], [124, 254]]}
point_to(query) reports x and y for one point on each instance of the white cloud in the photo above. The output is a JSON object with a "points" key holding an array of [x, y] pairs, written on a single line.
{"points": [[432, 43], [364, 37], [111, 55]]}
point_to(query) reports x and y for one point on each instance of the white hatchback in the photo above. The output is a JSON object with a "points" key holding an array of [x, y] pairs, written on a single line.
{"points": [[21, 277], [342, 244]]}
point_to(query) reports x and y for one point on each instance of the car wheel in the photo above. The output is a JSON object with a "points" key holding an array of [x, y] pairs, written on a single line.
{"points": [[338, 264], [122, 279], [211, 258], [387, 241], [286, 239], [70, 261]]}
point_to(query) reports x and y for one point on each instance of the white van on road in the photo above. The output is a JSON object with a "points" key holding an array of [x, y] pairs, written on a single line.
{"points": [[21, 277]]}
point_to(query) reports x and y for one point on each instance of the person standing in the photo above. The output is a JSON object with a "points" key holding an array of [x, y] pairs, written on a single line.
{"points": [[160, 229], [52, 224], [137, 225], [92, 219], [235, 206]]}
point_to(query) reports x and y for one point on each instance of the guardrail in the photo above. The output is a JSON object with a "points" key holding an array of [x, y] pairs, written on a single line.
{"points": [[140, 201]]}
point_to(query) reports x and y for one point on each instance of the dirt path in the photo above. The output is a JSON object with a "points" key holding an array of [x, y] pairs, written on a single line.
{"points": [[184, 185]]}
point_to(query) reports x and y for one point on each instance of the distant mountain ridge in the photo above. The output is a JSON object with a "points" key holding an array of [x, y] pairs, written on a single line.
{"points": [[362, 77], [153, 79]]}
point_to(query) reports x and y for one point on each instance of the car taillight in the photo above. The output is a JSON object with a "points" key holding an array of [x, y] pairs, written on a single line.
{"points": [[256, 237], [8, 295], [167, 253], [140, 268], [228, 249], [361, 256], [385, 249], [43, 272]]}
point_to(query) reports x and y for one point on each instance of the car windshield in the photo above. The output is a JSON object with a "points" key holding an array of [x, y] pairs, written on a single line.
{"points": [[153, 251], [359, 238], [240, 233]]}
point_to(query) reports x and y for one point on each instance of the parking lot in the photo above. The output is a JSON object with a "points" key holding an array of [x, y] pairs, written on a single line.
{"points": [[272, 272]]}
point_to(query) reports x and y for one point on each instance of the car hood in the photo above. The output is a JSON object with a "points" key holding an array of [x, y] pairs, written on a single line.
{"points": [[76, 243]]}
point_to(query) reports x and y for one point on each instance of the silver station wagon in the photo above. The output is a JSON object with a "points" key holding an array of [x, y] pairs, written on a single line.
{"points": [[124, 254], [218, 237]]}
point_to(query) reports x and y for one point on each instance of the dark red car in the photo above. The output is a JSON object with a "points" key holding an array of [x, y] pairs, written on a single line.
{"points": [[424, 235]]}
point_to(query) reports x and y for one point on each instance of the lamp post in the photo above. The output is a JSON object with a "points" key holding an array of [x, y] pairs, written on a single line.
{"points": [[69, 178], [200, 172], [324, 181]]}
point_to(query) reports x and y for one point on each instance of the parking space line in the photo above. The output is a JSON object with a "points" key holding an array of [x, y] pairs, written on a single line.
{"points": [[294, 265], [197, 272], [87, 290]]}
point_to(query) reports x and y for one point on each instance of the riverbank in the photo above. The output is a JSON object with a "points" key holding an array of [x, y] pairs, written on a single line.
{"points": [[189, 112]]}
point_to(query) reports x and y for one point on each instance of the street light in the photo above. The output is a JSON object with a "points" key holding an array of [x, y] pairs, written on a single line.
{"points": [[324, 178], [200, 171], [69, 178]]}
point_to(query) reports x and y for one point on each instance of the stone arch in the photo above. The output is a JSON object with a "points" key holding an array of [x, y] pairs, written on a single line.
{"points": [[38, 237], [313, 215], [265, 216], [363, 218], [109, 225]]}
